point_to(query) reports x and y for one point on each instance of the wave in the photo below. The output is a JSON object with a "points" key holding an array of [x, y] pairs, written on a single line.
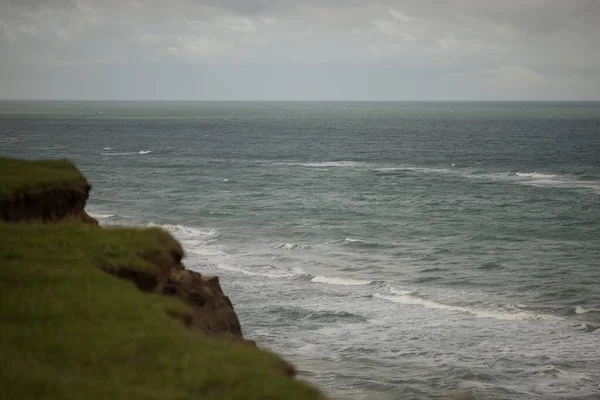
{"points": [[325, 315], [291, 246], [408, 168], [412, 298], [401, 292], [196, 241], [187, 233], [581, 310], [426, 279], [328, 164], [349, 240], [393, 169], [267, 271], [365, 243], [359, 243], [200, 242], [341, 281], [107, 148], [555, 372], [535, 175], [209, 254], [333, 316], [588, 327], [100, 216], [274, 271], [124, 153], [539, 179], [535, 178]]}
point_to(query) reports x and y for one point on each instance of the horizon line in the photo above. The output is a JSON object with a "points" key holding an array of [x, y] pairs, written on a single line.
{"points": [[302, 101]]}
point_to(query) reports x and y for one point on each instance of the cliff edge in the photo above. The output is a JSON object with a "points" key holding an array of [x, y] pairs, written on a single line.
{"points": [[45, 191], [70, 330]]}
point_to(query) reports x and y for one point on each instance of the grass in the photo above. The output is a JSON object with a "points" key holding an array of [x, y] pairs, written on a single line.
{"points": [[16, 175], [71, 331]]}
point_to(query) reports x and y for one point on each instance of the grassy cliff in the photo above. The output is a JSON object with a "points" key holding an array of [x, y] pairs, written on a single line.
{"points": [[19, 176], [70, 330], [46, 191]]}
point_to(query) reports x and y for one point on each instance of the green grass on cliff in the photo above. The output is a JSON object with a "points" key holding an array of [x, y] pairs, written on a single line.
{"points": [[71, 331], [19, 175]]}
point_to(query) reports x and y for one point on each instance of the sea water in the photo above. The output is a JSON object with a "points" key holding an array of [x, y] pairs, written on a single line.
{"points": [[389, 250]]}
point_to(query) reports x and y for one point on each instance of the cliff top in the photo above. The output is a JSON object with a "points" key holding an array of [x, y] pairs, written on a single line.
{"points": [[17, 176]]}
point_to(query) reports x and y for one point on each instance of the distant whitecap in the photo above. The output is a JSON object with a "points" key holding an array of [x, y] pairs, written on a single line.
{"points": [[581, 310], [340, 281], [411, 298]]}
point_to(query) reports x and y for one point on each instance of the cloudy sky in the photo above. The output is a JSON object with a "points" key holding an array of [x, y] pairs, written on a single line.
{"points": [[300, 49]]}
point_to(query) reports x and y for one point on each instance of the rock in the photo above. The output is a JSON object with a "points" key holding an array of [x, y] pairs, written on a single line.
{"points": [[212, 311]]}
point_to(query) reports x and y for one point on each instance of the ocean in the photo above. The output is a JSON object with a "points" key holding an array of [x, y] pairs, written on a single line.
{"points": [[390, 250]]}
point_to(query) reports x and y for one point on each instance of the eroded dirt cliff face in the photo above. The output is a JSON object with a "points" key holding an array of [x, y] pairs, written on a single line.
{"points": [[210, 310], [48, 204]]}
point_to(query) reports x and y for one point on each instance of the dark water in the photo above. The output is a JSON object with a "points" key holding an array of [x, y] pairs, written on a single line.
{"points": [[390, 250]]}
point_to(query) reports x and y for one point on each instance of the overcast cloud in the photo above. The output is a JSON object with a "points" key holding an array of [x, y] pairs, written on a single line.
{"points": [[300, 50]]}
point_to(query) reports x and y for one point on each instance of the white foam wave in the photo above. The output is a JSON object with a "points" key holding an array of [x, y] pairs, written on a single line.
{"points": [[564, 183], [416, 169], [366, 243], [582, 310], [555, 371], [340, 281], [199, 243], [267, 271], [536, 175], [124, 153], [539, 180], [207, 253], [99, 215], [411, 299], [400, 292], [291, 246], [350, 240], [388, 169], [127, 153], [328, 164], [187, 233]]}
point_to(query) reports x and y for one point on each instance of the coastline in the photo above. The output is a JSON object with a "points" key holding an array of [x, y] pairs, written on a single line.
{"points": [[55, 264]]}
